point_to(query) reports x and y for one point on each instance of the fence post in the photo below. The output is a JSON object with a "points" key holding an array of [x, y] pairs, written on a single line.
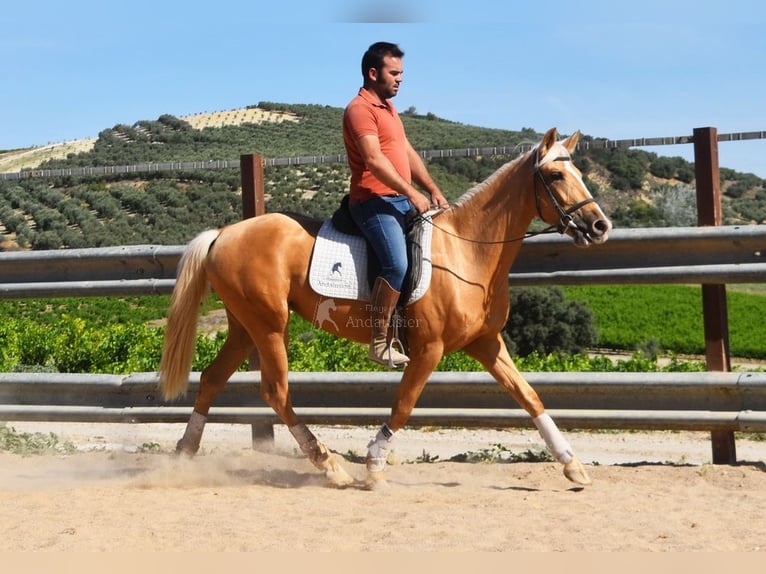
{"points": [[253, 205], [715, 313], [251, 176]]}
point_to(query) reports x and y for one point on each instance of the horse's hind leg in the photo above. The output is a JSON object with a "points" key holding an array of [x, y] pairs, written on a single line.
{"points": [[415, 376], [274, 390], [235, 349], [491, 352]]}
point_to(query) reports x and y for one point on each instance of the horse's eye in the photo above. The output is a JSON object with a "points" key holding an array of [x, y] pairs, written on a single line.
{"points": [[557, 175]]}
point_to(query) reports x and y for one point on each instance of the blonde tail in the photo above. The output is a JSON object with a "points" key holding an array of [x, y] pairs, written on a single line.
{"points": [[181, 333]]}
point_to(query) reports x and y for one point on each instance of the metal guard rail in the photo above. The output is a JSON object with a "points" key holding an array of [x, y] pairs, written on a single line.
{"points": [[725, 254], [706, 401]]}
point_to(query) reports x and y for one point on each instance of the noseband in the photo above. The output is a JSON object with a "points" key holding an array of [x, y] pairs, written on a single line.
{"points": [[565, 216]]}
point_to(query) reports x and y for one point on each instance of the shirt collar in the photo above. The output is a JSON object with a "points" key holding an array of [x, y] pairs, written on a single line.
{"points": [[373, 99]]}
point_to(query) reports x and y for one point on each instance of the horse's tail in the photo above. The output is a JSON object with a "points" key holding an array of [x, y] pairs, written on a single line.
{"points": [[181, 333]]}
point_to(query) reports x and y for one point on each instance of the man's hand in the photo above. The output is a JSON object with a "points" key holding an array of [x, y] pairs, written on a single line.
{"points": [[419, 202], [438, 199]]}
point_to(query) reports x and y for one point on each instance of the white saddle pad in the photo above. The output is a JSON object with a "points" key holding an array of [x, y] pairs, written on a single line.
{"points": [[338, 265]]}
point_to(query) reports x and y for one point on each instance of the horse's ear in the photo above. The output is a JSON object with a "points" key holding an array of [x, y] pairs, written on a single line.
{"points": [[547, 142], [571, 142]]}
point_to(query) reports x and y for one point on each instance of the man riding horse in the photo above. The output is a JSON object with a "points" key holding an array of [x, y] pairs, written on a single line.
{"points": [[383, 166]]}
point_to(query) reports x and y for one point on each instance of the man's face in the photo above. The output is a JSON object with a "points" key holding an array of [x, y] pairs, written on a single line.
{"points": [[389, 77]]}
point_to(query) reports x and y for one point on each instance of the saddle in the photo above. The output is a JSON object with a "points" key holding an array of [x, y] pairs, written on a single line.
{"points": [[342, 221]]}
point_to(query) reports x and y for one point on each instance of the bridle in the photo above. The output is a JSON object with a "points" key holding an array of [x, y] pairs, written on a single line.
{"points": [[565, 216]]}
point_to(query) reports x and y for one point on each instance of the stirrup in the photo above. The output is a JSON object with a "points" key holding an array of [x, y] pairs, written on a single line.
{"points": [[400, 350], [386, 357]]}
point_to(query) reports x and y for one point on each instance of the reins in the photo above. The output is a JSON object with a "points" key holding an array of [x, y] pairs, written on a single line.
{"points": [[549, 229]]}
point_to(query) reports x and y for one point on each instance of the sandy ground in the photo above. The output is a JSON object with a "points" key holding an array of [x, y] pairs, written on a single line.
{"points": [[651, 492]]}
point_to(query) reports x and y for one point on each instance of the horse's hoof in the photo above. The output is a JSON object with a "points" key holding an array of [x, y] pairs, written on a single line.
{"points": [[336, 475], [575, 472], [183, 449], [376, 481]]}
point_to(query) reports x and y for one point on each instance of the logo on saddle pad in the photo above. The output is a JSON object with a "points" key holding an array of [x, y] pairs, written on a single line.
{"points": [[322, 314], [338, 265]]}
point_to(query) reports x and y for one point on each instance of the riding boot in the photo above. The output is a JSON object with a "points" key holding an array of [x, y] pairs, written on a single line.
{"points": [[382, 305]]}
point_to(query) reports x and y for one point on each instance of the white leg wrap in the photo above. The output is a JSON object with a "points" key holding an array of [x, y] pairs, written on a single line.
{"points": [[553, 438], [193, 433], [195, 426], [378, 449]]}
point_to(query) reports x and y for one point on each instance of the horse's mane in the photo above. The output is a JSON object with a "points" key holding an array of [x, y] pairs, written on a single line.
{"points": [[490, 181]]}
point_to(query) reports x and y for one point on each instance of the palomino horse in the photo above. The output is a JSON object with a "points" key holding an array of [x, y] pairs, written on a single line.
{"points": [[259, 269]]}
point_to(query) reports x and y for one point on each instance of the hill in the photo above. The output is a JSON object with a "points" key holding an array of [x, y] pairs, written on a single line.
{"points": [[637, 188], [33, 158]]}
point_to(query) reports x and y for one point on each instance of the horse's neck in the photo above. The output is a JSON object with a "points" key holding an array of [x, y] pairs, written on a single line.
{"points": [[494, 216]]}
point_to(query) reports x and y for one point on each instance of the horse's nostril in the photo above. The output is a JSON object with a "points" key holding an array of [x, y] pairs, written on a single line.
{"points": [[601, 226]]}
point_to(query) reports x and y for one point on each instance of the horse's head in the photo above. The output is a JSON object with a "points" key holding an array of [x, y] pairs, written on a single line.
{"points": [[560, 193]]}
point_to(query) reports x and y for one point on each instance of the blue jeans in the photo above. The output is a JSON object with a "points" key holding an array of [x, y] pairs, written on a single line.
{"points": [[381, 220]]}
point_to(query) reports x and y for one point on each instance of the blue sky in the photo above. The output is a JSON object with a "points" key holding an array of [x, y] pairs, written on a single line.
{"points": [[611, 69]]}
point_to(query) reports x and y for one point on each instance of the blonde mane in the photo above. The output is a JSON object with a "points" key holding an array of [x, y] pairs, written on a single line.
{"points": [[487, 183], [555, 152]]}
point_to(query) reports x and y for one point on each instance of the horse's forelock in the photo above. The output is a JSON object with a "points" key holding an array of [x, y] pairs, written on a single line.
{"points": [[557, 151]]}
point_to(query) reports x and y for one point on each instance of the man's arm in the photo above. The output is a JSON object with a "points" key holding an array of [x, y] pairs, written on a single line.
{"points": [[382, 168], [421, 176]]}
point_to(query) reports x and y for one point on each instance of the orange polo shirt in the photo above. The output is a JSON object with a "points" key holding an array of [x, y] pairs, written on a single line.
{"points": [[365, 115]]}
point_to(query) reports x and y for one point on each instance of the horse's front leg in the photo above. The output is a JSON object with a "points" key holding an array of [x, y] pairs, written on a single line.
{"points": [[274, 390], [491, 352], [413, 380]]}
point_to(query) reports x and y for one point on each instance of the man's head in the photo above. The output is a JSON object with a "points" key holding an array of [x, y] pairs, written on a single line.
{"points": [[382, 69]]}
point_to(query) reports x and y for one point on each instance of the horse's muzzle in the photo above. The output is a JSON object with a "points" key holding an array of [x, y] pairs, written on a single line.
{"points": [[592, 232]]}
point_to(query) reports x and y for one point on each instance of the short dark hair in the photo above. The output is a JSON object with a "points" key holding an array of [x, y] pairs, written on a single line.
{"points": [[373, 57]]}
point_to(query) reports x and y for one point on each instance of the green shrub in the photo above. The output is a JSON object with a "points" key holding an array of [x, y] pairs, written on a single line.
{"points": [[26, 444], [646, 321], [543, 321]]}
